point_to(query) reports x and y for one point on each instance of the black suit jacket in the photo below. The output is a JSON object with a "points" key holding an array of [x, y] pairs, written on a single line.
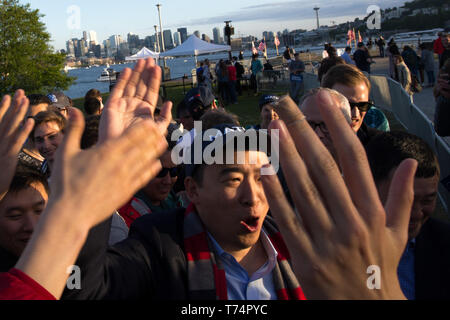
{"points": [[432, 261], [7, 260]]}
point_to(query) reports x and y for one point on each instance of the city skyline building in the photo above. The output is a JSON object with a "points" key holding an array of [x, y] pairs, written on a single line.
{"points": [[177, 38], [168, 39], [216, 36], [183, 34]]}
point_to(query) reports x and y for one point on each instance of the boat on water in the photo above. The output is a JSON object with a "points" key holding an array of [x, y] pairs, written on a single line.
{"points": [[416, 36], [108, 74]]}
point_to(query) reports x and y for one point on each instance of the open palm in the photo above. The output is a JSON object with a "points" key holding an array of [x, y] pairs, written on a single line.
{"points": [[134, 98]]}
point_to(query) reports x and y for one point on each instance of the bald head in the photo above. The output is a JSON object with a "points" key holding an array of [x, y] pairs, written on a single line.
{"points": [[309, 106], [314, 117]]}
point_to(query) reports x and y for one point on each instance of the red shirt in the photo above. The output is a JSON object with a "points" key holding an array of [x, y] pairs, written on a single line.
{"points": [[438, 46], [232, 73], [16, 285]]}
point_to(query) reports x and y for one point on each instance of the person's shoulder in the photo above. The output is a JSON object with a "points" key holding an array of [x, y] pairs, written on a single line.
{"points": [[437, 227], [163, 222]]}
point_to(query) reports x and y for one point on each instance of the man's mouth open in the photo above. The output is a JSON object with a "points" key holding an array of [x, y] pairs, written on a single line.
{"points": [[250, 224]]}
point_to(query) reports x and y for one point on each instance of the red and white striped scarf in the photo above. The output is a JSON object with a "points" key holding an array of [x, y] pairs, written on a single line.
{"points": [[206, 276]]}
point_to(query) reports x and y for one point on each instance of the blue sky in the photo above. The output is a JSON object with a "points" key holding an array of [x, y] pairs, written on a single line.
{"points": [[248, 16]]}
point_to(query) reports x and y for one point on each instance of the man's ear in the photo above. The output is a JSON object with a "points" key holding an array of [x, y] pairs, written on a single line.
{"points": [[192, 190]]}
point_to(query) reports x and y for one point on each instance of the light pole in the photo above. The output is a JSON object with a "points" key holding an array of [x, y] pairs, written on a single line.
{"points": [[157, 38], [162, 33], [317, 15], [228, 33], [160, 27]]}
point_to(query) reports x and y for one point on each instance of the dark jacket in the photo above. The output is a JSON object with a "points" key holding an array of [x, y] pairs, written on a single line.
{"points": [[7, 260], [361, 56], [442, 117], [150, 264], [432, 261], [366, 133]]}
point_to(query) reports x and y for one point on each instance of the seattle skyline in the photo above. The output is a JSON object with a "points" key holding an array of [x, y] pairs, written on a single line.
{"points": [[66, 19]]}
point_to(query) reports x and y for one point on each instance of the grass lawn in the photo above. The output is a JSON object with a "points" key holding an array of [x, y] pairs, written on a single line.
{"points": [[247, 108]]}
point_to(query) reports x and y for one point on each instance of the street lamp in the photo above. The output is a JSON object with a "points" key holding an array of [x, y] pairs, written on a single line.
{"points": [[162, 33], [157, 38], [229, 31], [160, 27], [317, 16]]}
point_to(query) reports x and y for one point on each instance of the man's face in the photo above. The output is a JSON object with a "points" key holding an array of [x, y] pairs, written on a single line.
{"points": [[47, 137], [231, 202], [355, 94], [446, 41], [268, 115], [19, 213], [187, 121], [159, 188], [425, 196]]}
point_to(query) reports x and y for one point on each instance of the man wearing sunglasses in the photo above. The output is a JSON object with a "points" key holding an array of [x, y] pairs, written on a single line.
{"points": [[354, 85], [157, 195]]}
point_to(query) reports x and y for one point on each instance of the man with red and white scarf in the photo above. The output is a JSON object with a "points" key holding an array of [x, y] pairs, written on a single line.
{"points": [[219, 248]]}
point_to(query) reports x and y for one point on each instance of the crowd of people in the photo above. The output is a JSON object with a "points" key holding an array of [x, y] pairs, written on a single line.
{"points": [[102, 191]]}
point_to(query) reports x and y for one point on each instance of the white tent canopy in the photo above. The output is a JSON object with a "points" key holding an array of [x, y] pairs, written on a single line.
{"points": [[143, 54], [193, 46]]}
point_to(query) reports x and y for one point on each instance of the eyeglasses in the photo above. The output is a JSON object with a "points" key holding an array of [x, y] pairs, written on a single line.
{"points": [[321, 125], [362, 106], [163, 173]]}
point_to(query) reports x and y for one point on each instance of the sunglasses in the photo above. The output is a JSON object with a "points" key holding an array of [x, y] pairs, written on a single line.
{"points": [[362, 106], [172, 171]]}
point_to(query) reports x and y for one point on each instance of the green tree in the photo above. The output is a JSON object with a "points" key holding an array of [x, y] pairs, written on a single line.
{"points": [[27, 61]]}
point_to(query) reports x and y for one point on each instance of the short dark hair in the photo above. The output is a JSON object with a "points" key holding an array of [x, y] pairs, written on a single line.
{"points": [[327, 64], [92, 106], [93, 93], [348, 49], [217, 117], [36, 99], [386, 151], [25, 178], [90, 134], [198, 172]]}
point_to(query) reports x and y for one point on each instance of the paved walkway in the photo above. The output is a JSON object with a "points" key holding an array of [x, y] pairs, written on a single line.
{"points": [[424, 99]]}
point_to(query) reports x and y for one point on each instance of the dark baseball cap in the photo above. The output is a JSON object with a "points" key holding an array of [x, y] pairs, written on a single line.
{"points": [[60, 100], [266, 99], [199, 99]]}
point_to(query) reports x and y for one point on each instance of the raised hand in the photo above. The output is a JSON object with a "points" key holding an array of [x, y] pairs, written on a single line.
{"points": [[133, 99], [87, 186], [13, 134], [338, 228]]}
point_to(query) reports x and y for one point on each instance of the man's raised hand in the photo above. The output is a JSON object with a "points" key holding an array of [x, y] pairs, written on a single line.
{"points": [[13, 134], [133, 99], [339, 227]]}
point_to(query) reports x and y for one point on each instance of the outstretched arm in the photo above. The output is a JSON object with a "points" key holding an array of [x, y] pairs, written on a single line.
{"points": [[339, 227], [84, 194]]}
